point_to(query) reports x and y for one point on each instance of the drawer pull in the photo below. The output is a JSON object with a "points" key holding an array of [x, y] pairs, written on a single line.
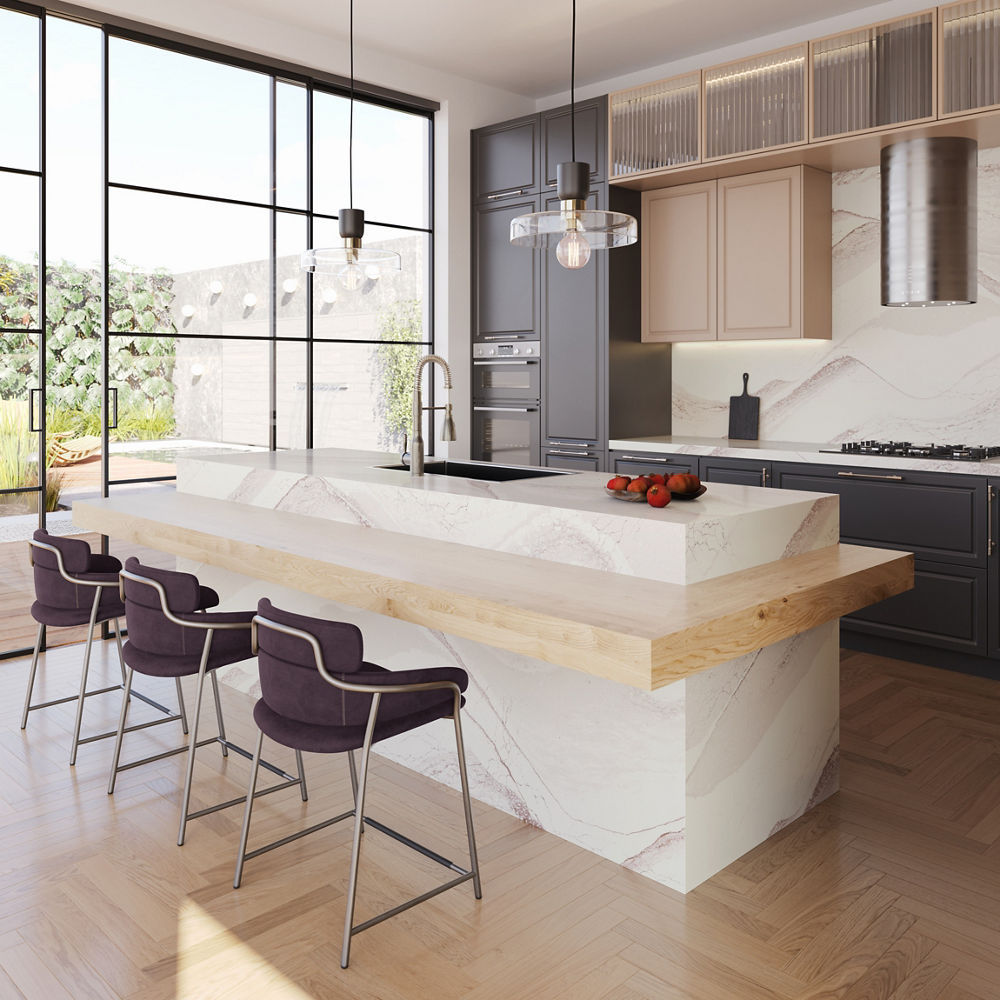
{"points": [[641, 458], [868, 475], [575, 454], [504, 194], [568, 444], [990, 543], [763, 476]]}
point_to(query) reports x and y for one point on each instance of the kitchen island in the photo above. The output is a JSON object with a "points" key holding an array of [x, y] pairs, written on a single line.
{"points": [[658, 686]]}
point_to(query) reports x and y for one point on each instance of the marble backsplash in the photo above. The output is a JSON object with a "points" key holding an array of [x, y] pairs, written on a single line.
{"points": [[904, 374]]}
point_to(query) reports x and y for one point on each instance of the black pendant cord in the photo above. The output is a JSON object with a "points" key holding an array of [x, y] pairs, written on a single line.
{"points": [[350, 130], [572, 88]]}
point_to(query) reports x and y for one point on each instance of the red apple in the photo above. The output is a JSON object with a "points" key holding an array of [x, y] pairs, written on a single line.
{"points": [[657, 495], [683, 482], [619, 482], [638, 485]]}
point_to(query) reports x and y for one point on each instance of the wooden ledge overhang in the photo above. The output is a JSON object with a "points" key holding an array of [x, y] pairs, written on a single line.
{"points": [[625, 628]]}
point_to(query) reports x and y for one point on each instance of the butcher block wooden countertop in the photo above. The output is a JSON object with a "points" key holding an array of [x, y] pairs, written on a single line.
{"points": [[639, 632]]}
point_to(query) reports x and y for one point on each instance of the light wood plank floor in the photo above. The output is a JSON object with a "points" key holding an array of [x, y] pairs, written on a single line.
{"points": [[889, 890]]}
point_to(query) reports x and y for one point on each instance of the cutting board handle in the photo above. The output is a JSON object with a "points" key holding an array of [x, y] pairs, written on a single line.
{"points": [[746, 379]]}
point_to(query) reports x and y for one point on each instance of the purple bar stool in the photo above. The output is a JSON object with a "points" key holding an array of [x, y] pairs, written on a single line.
{"points": [[319, 695], [171, 635], [74, 586]]}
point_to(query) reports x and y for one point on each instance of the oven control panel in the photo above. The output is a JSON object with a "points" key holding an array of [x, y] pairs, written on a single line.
{"points": [[512, 349]]}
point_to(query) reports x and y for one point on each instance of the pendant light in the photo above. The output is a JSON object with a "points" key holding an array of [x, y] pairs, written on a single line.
{"points": [[574, 230], [351, 263]]}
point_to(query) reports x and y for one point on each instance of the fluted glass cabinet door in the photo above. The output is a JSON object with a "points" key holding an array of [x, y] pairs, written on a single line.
{"points": [[873, 77], [970, 56], [656, 126], [757, 103]]}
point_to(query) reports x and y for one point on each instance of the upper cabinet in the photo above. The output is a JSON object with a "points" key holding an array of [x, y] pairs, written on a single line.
{"points": [[742, 258], [874, 77], [505, 159], [755, 104], [591, 139], [656, 127], [969, 57]]}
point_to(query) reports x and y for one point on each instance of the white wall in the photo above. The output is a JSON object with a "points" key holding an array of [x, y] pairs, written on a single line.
{"points": [[465, 105]]}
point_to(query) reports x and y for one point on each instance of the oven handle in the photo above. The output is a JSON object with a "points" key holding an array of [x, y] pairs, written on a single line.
{"points": [[505, 409], [518, 361]]}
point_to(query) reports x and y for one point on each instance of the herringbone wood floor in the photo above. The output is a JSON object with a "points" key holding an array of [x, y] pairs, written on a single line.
{"points": [[889, 890]]}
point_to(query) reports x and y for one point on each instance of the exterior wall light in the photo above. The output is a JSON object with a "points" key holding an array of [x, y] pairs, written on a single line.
{"points": [[249, 300], [215, 287], [289, 285], [187, 311]]}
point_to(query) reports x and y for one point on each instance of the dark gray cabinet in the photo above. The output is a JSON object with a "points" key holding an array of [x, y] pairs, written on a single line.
{"points": [[573, 460], [636, 463], [598, 378], [575, 343], [591, 139], [738, 471], [944, 520], [506, 290], [505, 159]]}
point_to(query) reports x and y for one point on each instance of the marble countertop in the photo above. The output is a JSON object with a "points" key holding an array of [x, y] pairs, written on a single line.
{"points": [[792, 451], [565, 518]]}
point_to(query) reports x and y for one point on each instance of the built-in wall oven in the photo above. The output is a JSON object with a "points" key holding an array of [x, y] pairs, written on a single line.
{"points": [[506, 397]]}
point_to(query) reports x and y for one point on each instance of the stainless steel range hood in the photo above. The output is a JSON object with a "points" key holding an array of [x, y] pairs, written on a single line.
{"points": [[929, 222]]}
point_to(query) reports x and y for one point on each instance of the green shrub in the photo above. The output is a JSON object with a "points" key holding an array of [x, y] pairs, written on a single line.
{"points": [[395, 364]]}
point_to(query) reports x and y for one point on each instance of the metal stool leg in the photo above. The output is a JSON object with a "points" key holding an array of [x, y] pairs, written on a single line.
{"points": [[251, 789], [83, 676], [218, 714], [359, 808], [193, 741], [354, 783], [31, 675], [118, 642], [120, 735], [181, 710], [302, 776], [466, 798]]}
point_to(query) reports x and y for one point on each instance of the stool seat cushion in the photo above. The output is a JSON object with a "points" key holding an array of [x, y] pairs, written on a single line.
{"points": [[398, 713], [228, 646]]}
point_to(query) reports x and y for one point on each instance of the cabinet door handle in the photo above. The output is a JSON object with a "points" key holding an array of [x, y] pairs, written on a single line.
{"points": [[763, 476], [990, 542], [868, 475], [575, 454], [504, 194], [641, 458]]}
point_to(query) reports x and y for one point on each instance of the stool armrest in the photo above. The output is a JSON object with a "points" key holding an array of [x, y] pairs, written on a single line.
{"points": [[336, 681], [61, 566], [190, 622]]}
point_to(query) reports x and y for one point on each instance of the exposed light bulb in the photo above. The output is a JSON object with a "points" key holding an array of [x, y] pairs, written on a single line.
{"points": [[197, 370], [187, 311], [329, 296], [289, 285], [249, 300], [215, 287], [373, 272], [573, 251], [351, 277]]}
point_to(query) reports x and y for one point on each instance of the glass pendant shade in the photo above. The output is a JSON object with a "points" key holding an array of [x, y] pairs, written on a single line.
{"points": [[351, 262], [598, 230]]}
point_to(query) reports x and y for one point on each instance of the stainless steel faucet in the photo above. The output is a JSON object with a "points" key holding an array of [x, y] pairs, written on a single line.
{"points": [[447, 432]]}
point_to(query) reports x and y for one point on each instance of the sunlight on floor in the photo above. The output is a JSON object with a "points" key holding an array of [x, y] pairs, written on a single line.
{"points": [[213, 963]]}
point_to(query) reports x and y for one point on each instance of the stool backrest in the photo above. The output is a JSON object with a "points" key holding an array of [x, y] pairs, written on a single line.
{"points": [[149, 629], [291, 685], [51, 588]]}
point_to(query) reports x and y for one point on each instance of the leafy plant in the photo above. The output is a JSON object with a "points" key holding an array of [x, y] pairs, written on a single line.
{"points": [[19, 460], [395, 364]]}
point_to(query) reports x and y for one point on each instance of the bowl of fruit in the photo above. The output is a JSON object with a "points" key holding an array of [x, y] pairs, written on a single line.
{"points": [[655, 489]]}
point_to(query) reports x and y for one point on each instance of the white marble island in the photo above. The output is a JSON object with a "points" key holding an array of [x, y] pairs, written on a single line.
{"points": [[659, 686]]}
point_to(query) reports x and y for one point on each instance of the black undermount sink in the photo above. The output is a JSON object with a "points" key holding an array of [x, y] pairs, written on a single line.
{"points": [[480, 470]]}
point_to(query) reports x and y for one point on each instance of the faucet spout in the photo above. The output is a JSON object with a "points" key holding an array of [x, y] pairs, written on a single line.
{"points": [[417, 448]]}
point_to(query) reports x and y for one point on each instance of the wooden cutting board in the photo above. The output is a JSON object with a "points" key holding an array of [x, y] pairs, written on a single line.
{"points": [[744, 414]]}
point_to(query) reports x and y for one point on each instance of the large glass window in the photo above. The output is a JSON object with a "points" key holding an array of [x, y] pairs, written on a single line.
{"points": [[175, 316]]}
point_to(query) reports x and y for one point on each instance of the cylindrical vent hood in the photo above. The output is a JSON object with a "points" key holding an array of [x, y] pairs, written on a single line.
{"points": [[929, 222]]}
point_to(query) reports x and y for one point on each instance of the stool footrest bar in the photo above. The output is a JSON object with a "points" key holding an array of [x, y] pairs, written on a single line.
{"points": [[162, 756], [295, 836], [273, 768], [423, 897], [131, 729], [413, 845], [73, 697], [241, 799]]}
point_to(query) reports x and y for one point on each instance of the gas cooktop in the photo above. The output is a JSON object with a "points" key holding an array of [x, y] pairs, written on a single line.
{"points": [[905, 449]]}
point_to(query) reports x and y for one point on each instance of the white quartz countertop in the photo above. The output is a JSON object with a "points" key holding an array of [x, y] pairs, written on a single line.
{"points": [[793, 451], [563, 518]]}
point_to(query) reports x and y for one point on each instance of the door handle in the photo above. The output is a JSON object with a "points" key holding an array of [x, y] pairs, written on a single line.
{"points": [[504, 194], [763, 476], [575, 454], [31, 411], [114, 409], [641, 458], [990, 541], [868, 475]]}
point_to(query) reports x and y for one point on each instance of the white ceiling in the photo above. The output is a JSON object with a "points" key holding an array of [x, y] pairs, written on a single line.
{"points": [[523, 45]]}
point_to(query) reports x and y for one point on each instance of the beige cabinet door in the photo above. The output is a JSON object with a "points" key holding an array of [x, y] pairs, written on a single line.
{"points": [[679, 292], [760, 229]]}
